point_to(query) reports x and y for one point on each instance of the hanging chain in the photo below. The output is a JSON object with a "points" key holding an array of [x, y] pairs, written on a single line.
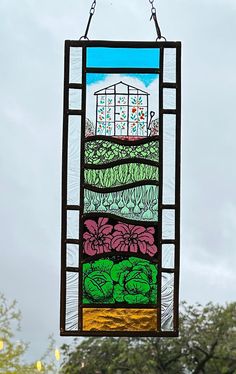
{"points": [[91, 13], [154, 17]]}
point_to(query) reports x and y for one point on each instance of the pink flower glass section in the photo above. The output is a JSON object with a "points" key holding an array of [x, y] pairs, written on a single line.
{"points": [[131, 238], [98, 237]]}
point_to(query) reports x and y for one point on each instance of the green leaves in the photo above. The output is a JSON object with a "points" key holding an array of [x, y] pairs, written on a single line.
{"points": [[98, 285], [97, 282], [120, 268], [119, 293], [121, 175], [137, 281], [103, 265], [100, 151], [14, 350], [133, 203], [131, 281], [136, 299]]}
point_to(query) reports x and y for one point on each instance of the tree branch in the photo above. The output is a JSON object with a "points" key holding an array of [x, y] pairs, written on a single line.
{"points": [[202, 363]]}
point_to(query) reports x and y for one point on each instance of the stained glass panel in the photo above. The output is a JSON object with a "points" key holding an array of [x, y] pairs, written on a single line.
{"points": [[168, 224], [72, 298], [170, 65], [72, 224], [72, 255], [73, 175], [120, 319], [75, 64], [103, 57], [98, 151], [129, 107], [120, 175], [121, 153], [167, 302], [111, 235], [168, 256], [75, 97], [138, 203], [114, 281], [169, 158], [169, 98]]}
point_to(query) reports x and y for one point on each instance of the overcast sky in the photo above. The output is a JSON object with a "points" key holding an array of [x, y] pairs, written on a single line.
{"points": [[32, 34]]}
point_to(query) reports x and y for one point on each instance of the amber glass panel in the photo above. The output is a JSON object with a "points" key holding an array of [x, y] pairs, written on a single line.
{"points": [[122, 319]]}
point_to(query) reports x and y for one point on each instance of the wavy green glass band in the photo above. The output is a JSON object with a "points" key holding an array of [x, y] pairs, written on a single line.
{"points": [[100, 151], [138, 203], [121, 175]]}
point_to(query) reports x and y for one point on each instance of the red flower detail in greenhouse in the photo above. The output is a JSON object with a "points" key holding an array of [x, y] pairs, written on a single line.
{"points": [[130, 238], [97, 238]]}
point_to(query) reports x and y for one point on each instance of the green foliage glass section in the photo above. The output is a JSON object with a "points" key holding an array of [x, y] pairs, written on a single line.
{"points": [[131, 281], [101, 152], [120, 175], [139, 203]]}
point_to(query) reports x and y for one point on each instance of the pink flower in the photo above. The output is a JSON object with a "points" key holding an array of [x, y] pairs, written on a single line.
{"points": [[131, 238], [97, 238]]}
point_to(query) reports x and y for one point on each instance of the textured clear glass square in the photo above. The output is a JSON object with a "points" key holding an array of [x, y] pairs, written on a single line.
{"points": [[72, 255], [169, 149], [168, 256], [73, 176], [169, 98], [75, 98], [169, 65], [72, 224], [72, 301], [168, 224], [167, 301], [75, 65]]}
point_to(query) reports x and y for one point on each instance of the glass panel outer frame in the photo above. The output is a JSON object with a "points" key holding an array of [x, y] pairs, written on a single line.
{"points": [[65, 208]]}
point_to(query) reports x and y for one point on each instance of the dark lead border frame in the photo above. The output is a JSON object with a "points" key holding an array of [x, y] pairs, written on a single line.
{"points": [[65, 207]]}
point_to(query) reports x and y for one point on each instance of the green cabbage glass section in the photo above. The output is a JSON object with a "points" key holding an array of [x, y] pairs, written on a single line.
{"points": [[101, 151], [139, 203], [131, 281], [120, 175]]}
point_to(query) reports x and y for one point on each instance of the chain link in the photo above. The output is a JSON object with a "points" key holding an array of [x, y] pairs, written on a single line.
{"points": [[154, 17], [153, 9], [93, 7], [91, 13]]}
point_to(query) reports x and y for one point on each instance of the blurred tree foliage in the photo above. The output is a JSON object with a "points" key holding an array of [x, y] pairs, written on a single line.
{"points": [[12, 351], [206, 345]]}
